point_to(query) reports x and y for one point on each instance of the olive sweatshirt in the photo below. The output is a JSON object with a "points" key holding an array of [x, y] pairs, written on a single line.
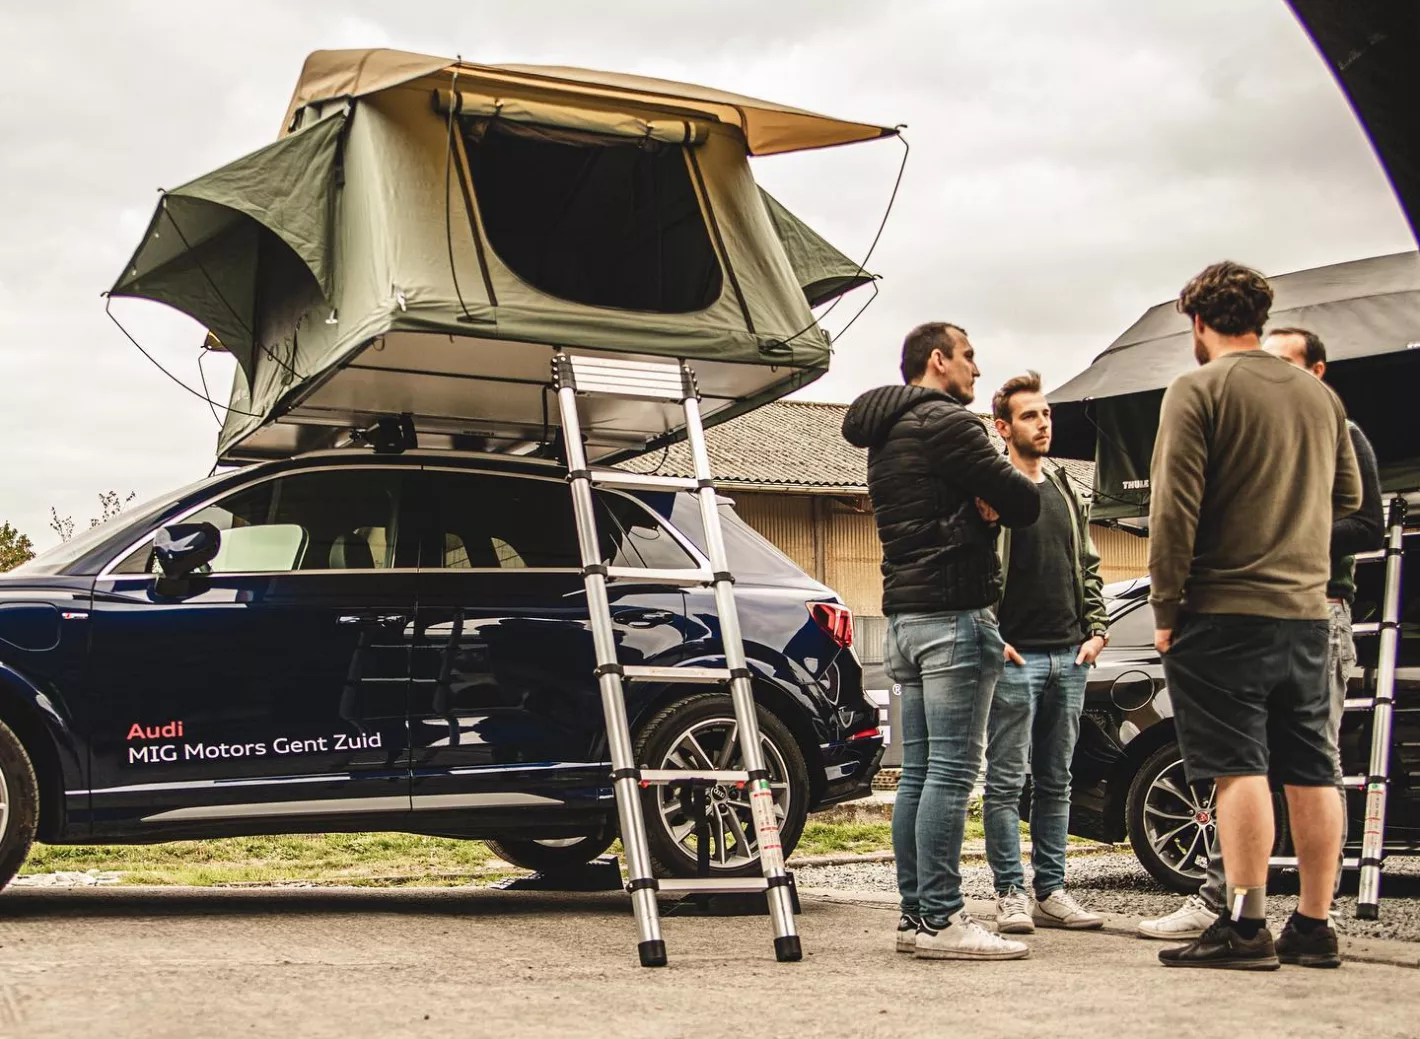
{"points": [[1252, 462]]}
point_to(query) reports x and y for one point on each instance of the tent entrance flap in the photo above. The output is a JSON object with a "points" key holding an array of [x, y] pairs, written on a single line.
{"points": [[490, 395], [604, 221]]}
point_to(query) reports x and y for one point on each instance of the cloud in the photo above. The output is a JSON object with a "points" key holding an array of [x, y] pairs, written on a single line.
{"points": [[1071, 165]]}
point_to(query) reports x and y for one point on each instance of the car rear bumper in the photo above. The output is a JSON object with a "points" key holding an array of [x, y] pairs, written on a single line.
{"points": [[848, 770]]}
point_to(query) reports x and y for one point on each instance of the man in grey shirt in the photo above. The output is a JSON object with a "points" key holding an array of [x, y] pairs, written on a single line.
{"points": [[1362, 531], [1252, 461]]}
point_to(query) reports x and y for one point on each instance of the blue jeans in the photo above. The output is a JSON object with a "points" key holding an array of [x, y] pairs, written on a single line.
{"points": [[1035, 720], [947, 665]]}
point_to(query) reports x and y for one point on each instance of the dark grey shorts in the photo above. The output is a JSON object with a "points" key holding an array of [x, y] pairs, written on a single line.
{"points": [[1250, 698]]}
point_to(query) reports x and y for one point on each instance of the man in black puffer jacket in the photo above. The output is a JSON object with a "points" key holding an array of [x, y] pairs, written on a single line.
{"points": [[938, 487]]}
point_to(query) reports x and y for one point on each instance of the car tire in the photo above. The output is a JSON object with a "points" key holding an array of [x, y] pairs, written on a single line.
{"points": [[706, 720], [553, 856], [19, 804], [1154, 812]]}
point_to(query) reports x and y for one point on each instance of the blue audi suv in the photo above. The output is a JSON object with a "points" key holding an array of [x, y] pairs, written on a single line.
{"points": [[348, 641]]}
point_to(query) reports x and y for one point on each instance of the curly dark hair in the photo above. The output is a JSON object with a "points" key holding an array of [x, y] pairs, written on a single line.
{"points": [[1229, 298]]}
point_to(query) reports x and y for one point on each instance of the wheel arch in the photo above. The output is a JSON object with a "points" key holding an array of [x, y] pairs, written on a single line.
{"points": [[1136, 752], [35, 726]]}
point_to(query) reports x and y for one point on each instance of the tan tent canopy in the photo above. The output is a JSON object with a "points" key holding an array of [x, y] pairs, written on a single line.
{"points": [[768, 128]]}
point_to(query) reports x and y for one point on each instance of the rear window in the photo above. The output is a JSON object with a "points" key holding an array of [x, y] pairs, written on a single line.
{"points": [[752, 557], [605, 221]]}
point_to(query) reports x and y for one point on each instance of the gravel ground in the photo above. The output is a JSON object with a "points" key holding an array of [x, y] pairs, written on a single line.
{"points": [[1115, 882]]}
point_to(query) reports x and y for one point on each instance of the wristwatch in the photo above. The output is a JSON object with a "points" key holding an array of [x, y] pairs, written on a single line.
{"points": [[1100, 634]]}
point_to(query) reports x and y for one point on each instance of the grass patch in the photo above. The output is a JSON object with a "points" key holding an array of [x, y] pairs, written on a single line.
{"points": [[328, 857], [857, 838]]}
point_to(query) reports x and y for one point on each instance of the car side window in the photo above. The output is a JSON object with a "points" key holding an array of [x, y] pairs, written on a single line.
{"points": [[339, 519], [487, 521]]}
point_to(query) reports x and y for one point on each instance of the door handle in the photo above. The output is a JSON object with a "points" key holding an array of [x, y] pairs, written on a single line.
{"points": [[643, 618], [355, 620]]}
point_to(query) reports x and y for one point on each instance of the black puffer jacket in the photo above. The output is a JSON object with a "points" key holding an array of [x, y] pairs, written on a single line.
{"points": [[929, 459]]}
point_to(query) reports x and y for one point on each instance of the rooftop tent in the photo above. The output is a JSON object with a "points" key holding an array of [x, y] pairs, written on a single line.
{"points": [[426, 233], [1367, 312]]}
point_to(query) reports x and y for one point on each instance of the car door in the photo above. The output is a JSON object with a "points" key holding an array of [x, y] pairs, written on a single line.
{"points": [[268, 692], [504, 708]]}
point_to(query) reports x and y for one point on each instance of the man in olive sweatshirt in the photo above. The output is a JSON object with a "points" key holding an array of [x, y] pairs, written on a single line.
{"points": [[1252, 462]]}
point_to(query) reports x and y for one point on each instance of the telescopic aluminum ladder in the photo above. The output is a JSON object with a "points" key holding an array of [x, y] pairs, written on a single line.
{"points": [[669, 381], [1381, 705]]}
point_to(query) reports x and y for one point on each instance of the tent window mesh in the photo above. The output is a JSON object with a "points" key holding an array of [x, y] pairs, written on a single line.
{"points": [[600, 221]]}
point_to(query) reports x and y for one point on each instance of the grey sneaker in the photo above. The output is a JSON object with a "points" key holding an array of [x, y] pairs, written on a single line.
{"points": [[1013, 913], [964, 939], [1186, 922], [1059, 909]]}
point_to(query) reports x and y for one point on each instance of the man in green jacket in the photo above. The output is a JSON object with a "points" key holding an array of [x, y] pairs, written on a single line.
{"points": [[1052, 618]]}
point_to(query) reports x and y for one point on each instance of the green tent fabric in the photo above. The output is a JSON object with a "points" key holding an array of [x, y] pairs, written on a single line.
{"points": [[390, 256], [823, 272], [202, 252]]}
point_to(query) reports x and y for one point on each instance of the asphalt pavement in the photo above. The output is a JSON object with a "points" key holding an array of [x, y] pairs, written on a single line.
{"points": [[156, 963]]}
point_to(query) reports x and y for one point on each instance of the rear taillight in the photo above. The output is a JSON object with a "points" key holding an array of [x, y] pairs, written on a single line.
{"points": [[835, 619]]}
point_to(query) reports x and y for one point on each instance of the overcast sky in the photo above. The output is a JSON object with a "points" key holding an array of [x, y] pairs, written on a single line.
{"points": [[1071, 165]]}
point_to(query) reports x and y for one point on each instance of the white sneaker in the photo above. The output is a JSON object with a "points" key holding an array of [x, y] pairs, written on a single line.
{"points": [[1061, 910], [1187, 921], [907, 933], [965, 939], [1013, 913]]}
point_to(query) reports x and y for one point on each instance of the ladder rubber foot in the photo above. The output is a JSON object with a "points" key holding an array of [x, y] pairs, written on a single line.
{"points": [[653, 953], [788, 949], [1365, 912]]}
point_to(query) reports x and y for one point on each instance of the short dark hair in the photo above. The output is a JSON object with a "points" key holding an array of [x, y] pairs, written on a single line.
{"points": [[921, 341], [1229, 298], [1314, 352], [1001, 402]]}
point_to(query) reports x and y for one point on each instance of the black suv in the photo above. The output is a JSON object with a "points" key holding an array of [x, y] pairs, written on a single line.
{"points": [[1128, 770], [401, 643]]}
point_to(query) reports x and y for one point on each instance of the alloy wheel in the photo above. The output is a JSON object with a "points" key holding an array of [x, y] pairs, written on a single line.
{"points": [[1180, 820], [712, 745]]}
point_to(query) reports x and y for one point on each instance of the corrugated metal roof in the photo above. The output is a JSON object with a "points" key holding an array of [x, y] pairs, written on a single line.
{"points": [[794, 445]]}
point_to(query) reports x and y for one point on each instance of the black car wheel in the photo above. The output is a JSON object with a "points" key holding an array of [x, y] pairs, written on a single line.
{"points": [[19, 804], [555, 855], [1171, 822], [700, 732]]}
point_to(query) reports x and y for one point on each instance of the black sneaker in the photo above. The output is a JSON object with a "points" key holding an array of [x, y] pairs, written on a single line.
{"points": [[1318, 949], [1221, 947], [907, 933]]}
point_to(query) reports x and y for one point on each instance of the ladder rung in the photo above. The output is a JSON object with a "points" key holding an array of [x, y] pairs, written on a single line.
{"points": [[646, 576], [1290, 862], [640, 482], [675, 775], [712, 885], [676, 674], [1365, 628], [1359, 703]]}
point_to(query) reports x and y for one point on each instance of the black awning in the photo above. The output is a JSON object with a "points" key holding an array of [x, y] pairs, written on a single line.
{"points": [[1373, 49]]}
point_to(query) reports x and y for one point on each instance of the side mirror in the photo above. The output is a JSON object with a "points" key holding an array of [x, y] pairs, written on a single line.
{"points": [[183, 547]]}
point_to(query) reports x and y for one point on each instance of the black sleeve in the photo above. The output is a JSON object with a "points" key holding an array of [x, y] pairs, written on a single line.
{"points": [[965, 452], [1364, 529]]}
